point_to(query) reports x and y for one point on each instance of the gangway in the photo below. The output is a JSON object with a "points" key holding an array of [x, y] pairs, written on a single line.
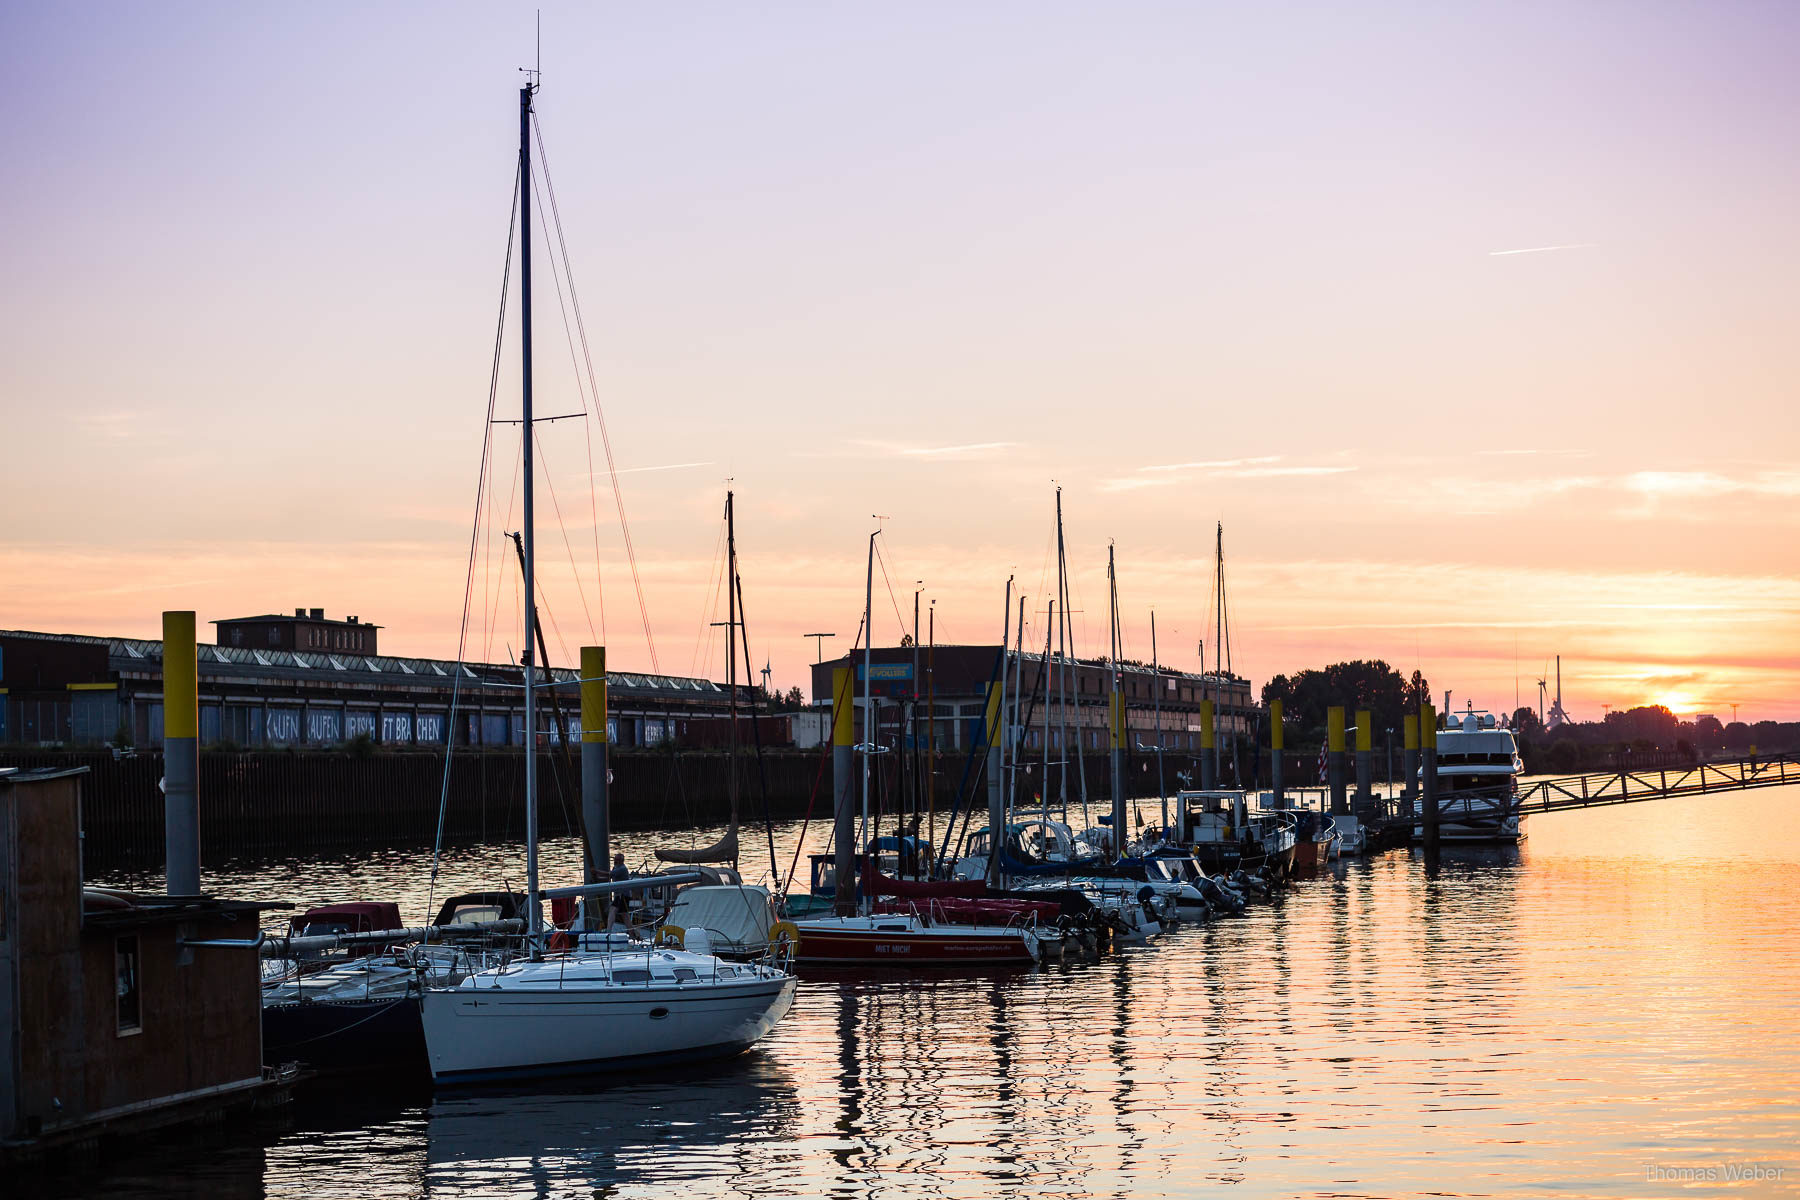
{"points": [[1600, 788]]}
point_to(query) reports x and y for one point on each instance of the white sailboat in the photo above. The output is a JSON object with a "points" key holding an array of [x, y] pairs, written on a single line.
{"points": [[609, 1003]]}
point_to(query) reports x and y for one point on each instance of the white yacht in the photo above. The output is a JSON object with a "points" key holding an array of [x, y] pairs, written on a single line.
{"points": [[600, 1009], [1478, 769]]}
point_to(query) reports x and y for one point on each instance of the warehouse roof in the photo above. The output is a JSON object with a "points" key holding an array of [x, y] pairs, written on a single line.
{"points": [[144, 656]]}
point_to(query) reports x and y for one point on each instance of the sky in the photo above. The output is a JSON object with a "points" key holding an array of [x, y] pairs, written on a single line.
{"points": [[1473, 325]]}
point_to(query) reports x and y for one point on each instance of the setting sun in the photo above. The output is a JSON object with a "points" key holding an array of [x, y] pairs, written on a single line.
{"points": [[1679, 703]]}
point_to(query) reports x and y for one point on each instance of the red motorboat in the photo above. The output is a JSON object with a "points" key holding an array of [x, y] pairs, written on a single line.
{"points": [[932, 924]]}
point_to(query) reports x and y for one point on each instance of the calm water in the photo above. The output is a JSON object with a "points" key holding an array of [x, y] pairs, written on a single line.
{"points": [[1620, 994]]}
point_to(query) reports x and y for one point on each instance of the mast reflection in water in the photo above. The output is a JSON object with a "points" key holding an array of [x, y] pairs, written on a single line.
{"points": [[1616, 994]]}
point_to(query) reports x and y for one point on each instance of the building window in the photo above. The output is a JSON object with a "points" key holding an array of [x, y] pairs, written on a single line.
{"points": [[126, 987]]}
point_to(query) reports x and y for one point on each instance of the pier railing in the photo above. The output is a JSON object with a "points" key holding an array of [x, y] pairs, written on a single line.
{"points": [[1599, 788]]}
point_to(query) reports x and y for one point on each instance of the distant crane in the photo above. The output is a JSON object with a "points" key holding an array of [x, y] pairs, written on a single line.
{"points": [[1558, 715]]}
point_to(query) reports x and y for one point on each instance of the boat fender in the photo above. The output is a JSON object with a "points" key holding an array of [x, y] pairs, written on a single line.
{"points": [[671, 935], [1146, 894], [784, 931]]}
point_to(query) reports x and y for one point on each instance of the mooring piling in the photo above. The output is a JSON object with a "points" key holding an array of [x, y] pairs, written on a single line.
{"points": [[1365, 759], [1409, 761], [1334, 756], [1277, 744], [1428, 771], [596, 818], [181, 754], [1209, 749], [843, 790], [996, 790]]}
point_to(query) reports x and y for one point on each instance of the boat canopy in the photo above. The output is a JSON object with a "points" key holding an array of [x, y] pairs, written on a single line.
{"points": [[735, 918], [361, 916]]}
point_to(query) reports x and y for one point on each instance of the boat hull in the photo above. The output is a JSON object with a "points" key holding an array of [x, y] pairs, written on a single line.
{"points": [[1306, 856], [859, 942], [482, 1035], [333, 1037], [1475, 835]]}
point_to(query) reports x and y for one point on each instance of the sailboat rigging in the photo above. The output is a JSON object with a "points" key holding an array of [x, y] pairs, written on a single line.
{"points": [[610, 1002], [726, 848]]}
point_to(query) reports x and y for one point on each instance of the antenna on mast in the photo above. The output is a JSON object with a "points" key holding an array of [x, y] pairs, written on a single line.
{"points": [[534, 74]]}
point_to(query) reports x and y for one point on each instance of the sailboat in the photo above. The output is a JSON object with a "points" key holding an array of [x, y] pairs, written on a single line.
{"points": [[608, 1003], [932, 925], [724, 913]]}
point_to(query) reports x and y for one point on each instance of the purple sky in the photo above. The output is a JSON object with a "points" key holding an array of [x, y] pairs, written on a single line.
{"points": [[1193, 262]]}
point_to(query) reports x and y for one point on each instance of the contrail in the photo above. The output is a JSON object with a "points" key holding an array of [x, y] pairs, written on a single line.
{"points": [[971, 447], [1541, 249], [659, 467]]}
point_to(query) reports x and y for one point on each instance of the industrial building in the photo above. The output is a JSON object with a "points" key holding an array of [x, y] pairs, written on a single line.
{"points": [[955, 679], [268, 683]]}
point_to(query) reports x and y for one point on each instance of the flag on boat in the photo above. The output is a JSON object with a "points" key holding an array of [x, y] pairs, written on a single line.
{"points": [[1322, 772]]}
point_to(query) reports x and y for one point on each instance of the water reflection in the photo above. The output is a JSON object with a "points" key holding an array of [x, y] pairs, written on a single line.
{"points": [[681, 1130], [1618, 991]]}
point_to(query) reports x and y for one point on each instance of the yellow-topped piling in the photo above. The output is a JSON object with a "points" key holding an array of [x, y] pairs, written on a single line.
{"points": [[596, 808], [1411, 732], [1206, 725], [1428, 774], [1277, 744], [593, 693], [843, 712], [843, 766], [1365, 757], [1334, 761], [181, 677], [181, 754]]}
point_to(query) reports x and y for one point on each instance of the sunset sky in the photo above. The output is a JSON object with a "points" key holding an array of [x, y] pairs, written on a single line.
{"points": [[1475, 325]]}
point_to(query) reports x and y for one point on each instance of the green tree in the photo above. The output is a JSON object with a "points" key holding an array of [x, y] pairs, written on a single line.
{"points": [[1372, 684]]}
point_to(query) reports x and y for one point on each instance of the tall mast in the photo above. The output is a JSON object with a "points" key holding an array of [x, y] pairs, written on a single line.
{"points": [[1049, 683], [998, 753], [1218, 650], [1115, 710], [912, 727], [1156, 673], [868, 706], [1059, 682], [731, 627], [931, 730], [1015, 738], [531, 795], [1069, 694]]}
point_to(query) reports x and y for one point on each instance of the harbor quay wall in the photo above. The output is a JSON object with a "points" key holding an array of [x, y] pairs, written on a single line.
{"points": [[271, 802]]}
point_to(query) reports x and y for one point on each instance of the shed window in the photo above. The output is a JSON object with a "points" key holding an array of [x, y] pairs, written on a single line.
{"points": [[126, 985]]}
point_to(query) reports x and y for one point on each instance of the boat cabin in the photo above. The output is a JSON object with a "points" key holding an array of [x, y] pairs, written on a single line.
{"points": [[125, 1011], [1211, 817], [896, 857], [1034, 847]]}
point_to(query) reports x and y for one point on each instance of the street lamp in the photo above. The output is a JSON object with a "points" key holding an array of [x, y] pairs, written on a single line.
{"points": [[819, 640]]}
